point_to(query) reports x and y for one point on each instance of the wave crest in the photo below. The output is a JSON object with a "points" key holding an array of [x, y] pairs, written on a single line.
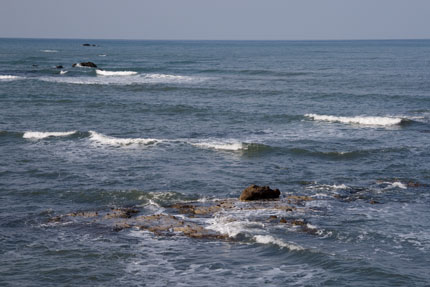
{"points": [[123, 79], [228, 145], [115, 73], [49, 51], [268, 239], [112, 141], [9, 78], [42, 135], [369, 121]]}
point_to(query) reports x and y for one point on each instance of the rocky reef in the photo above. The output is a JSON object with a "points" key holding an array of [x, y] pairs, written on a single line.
{"points": [[190, 218]]}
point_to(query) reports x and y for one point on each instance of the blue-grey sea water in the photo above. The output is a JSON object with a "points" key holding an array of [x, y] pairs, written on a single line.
{"points": [[346, 123]]}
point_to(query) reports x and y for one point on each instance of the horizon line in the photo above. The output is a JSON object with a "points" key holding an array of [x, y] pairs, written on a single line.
{"points": [[236, 40]]}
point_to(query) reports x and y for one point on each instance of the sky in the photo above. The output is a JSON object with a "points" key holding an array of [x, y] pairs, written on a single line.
{"points": [[216, 19]]}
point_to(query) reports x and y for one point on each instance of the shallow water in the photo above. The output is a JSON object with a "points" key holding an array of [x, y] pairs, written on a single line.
{"points": [[344, 122]]}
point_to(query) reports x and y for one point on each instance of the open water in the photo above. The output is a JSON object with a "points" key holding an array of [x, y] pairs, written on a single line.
{"points": [[346, 123]]}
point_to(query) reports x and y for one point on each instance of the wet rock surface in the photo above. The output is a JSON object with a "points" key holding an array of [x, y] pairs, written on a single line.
{"points": [[209, 219], [85, 64], [191, 218], [255, 192]]}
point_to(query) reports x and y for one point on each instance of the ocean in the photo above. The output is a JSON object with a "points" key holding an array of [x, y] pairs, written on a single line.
{"points": [[104, 171]]}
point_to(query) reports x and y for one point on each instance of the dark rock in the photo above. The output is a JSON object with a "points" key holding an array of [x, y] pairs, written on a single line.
{"points": [[59, 67], [255, 192], [86, 45], [85, 64]]}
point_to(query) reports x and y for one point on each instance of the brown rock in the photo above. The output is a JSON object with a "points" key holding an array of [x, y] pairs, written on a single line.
{"points": [[255, 192]]}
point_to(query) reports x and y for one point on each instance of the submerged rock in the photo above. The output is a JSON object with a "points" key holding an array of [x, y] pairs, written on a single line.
{"points": [[85, 64], [255, 192]]}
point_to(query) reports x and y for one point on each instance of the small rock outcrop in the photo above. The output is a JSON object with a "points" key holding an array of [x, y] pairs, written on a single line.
{"points": [[85, 64], [255, 192], [59, 67]]}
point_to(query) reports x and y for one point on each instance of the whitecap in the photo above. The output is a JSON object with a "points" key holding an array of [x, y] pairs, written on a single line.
{"points": [[361, 120], [232, 227], [115, 73], [328, 187], [42, 135], [396, 184], [112, 141], [5, 78], [268, 239], [102, 55], [123, 80], [63, 72], [49, 51], [228, 145], [168, 78]]}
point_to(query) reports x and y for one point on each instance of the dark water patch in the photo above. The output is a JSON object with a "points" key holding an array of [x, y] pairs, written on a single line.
{"points": [[103, 197], [10, 134], [349, 155], [182, 62], [257, 150]]}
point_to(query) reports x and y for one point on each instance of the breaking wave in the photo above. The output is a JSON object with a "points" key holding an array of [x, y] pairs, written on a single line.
{"points": [[369, 121], [5, 78], [42, 135], [112, 141], [268, 239], [124, 79], [228, 145], [115, 73]]}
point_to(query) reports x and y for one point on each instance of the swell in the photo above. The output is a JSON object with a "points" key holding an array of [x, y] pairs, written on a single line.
{"points": [[242, 147], [257, 72], [341, 155]]}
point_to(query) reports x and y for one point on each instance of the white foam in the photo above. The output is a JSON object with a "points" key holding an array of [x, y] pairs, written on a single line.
{"points": [[49, 51], [396, 184], [328, 187], [123, 79], [102, 55], [42, 135], [168, 78], [364, 120], [9, 78], [229, 225], [112, 141], [268, 239], [228, 145], [115, 73], [63, 72]]}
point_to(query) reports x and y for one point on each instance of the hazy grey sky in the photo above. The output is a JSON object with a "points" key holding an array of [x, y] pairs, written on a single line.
{"points": [[216, 19]]}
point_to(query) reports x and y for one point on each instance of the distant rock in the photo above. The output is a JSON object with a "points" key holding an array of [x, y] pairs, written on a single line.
{"points": [[89, 45], [85, 64], [255, 192], [59, 67]]}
